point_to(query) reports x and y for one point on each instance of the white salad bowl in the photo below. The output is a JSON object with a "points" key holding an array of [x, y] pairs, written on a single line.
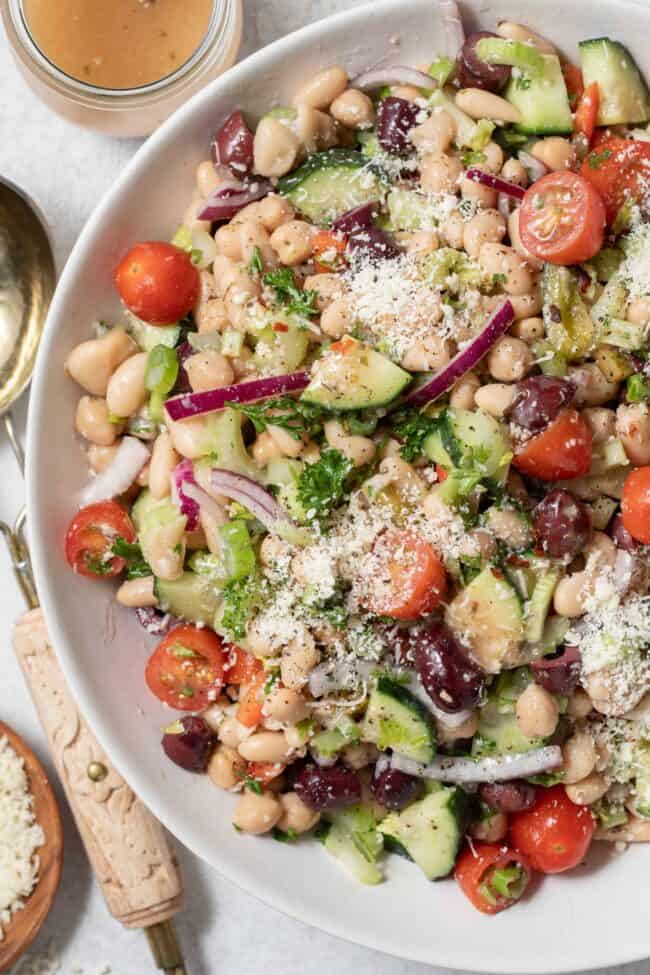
{"points": [[594, 916]]}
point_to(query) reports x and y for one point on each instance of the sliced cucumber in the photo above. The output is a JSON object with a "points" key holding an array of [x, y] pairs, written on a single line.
{"points": [[500, 734], [326, 744], [470, 438], [193, 597], [151, 517], [537, 607], [280, 352], [147, 336], [429, 831], [542, 100], [330, 183], [396, 719], [222, 445], [487, 613], [352, 376], [351, 837], [624, 97], [283, 473]]}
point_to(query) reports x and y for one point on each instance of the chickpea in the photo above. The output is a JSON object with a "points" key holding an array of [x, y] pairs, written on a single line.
{"points": [[254, 237], [555, 152], [579, 757], [592, 386], [188, 436], [480, 104], [257, 814], [529, 329], [421, 242], [572, 591], [527, 306], [360, 450], [463, 394], [126, 392], [298, 660], [360, 756], [287, 705], [499, 259], [92, 363], [137, 592], [232, 733], [275, 148], [265, 449], [208, 369], [100, 458], [226, 768], [440, 173], [431, 353], [92, 421], [509, 359], [435, 135], [353, 109], [579, 704], [273, 550], [509, 527], [293, 242], [409, 93], [537, 712], [265, 746], [633, 429], [207, 178], [454, 230], [602, 423], [494, 158], [638, 311], [243, 364], [515, 172], [326, 286], [321, 90], [286, 444], [481, 195], [487, 226], [590, 789], [337, 319], [490, 830], [315, 130], [296, 815]]}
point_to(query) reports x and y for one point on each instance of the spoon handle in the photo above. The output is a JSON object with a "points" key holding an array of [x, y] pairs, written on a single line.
{"points": [[127, 847]]}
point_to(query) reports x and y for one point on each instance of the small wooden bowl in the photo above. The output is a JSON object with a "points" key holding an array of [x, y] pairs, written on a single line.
{"points": [[25, 924]]}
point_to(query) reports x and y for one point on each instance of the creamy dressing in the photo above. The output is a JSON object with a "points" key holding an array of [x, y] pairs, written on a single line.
{"points": [[118, 44]]}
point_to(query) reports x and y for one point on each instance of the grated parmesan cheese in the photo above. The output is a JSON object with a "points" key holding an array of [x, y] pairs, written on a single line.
{"points": [[20, 835]]}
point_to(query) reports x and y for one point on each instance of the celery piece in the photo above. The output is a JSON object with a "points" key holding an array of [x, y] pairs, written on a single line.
{"points": [[238, 553], [568, 325], [441, 70], [232, 342], [638, 388], [497, 50]]}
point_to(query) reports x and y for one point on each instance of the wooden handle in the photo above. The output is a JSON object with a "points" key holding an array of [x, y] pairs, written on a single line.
{"points": [[127, 847]]}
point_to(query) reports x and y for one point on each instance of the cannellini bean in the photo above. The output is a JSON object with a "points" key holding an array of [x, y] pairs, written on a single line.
{"points": [[286, 444], [360, 450], [518, 32], [257, 814], [165, 551], [572, 591], [555, 152], [509, 359], [226, 769], [208, 369], [286, 704], [207, 178], [579, 757], [440, 173], [537, 712], [494, 158], [298, 660], [480, 104], [579, 705], [633, 429], [497, 259], [163, 461], [487, 226], [409, 93], [126, 392], [293, 242], [590, 789], [353, 109], [435, 135], [137, 593], [321, 90], [296, 815], [490, 830], [93, 421], [92, 363], [232, 733], [190, 218], [265, 746], [275, 148], [188, 436]]}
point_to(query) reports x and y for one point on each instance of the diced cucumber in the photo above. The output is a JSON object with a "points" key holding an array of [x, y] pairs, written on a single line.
{"points": [[624, 97], [193, 597], [429, 831], [445, 262], [284, 473], [352, 376], [537, 607], [351, 837], [153, 517], [642, 790], [498, 731], [147, 336], [326, 744], [555, 629], [487, 613], [277, 352], [497, 50], [607, 456], [542, 100], [409, 210], [395, 719], [330, 183], [470, 439], [222, 445]]}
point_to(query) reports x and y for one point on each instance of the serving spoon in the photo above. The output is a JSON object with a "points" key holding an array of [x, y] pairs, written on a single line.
{"points": [[127, 848]]}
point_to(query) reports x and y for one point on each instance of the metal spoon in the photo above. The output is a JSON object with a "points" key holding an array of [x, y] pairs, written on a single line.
{"points": [[27, 281]]}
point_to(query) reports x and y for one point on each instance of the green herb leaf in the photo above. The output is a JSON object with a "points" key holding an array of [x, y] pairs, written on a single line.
{"points": [[638, 388], [289, 294], [240, 600], [256, 264], [254, 786], [136, 566], [282, 836], [596, 159], [413, 428], [321, 486], [292, 415]]}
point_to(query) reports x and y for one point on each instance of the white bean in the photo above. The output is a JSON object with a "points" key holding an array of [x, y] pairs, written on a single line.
{"points": [[360, 450], [518, 32], [93, 421], [537, 712], [126, 392], [321, 90], [265, 746], [92, 363], [555, 152], [590, 789], [509, 359], [286, 704], [579, 757], [275, 148], [257, 814], [435, 135], [633, 429], [353, 109], [479, 104], [440, 173], [296, 815], [226, 769], [137, 593]]}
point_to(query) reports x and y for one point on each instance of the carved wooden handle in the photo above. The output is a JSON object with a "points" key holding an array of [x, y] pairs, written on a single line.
{"points": [[127, 847]]}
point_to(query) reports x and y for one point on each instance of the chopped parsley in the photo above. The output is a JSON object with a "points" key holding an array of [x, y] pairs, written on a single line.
{"points": [[289, 294], [240, 599], [256, 264], [498, 279], [322, 486], [472, 157], [292, 415], [523, 83], [284, 836], [253, 785], [413, 428], [596, 159], [136, 566]]}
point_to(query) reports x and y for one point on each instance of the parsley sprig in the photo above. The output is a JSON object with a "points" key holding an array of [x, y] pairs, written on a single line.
{"points": [[292, 415], [289, 294], [136, 566], [240, 600], [322, 486], [413, 428]]}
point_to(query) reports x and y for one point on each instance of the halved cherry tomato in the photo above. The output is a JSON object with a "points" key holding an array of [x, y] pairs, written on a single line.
{"points": [[411, 579], [560, 452], [264, 772], [619, 169], [587, 111], [186, 668], [492, 877], [241, 666], [562, 219], [251, 701], [157, 282], [635, 504], [91, 536], [555, 834], [328, 251], [573, 81]]}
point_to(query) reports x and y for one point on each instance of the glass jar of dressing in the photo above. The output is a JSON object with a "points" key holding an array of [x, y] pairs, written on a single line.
{"points": [[121, 66]]}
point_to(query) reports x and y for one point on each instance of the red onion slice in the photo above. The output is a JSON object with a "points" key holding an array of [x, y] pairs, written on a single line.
{"points": [[397, 75], [496, 183], [182, 478], [120, 474], [155, 621], [464, 360], [263, 505], [533, 167], [467, 770], [211, 400], [229, 198], [204, 502]]}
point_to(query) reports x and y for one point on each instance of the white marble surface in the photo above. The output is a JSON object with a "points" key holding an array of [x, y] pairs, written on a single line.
{"points": [[223, 930]]}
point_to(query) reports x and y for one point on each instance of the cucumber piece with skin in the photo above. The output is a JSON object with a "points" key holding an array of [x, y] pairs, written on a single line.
{"points": [[542, 100], [277, 352], [488, 615], [430, 831], [222, 445], [152, 517], [148, 336], [352, 376], [193, 597], [331, 183], [624, 97], [352, 838], [395, 719], [498, 50], [470, 438]]}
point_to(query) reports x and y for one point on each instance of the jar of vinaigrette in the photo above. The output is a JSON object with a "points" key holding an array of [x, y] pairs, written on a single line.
{"points": [[121, 66]]}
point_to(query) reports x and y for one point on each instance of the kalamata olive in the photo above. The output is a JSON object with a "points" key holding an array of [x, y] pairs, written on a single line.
{"points": [[538, 400], [395, 789], [359, 218], [374, 243], [508, 797], [489, 76], [621, 536], [327, 788], [154, 621], [233, 145], [190, 746], [450, 678], [395, 119], [562, 525], [182, 385], [559, 673]]}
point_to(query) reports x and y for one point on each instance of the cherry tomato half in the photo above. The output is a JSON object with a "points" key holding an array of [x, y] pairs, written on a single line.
{"points": [[251, 701], [186, 669], [560, 452], [411, 579], [635, 504], [619, 169], [91, 536], [492, 877], [574, 82], [562, 219], [241, 666], [555, 834], [157, 282], [328, 251], [587, 111]]}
